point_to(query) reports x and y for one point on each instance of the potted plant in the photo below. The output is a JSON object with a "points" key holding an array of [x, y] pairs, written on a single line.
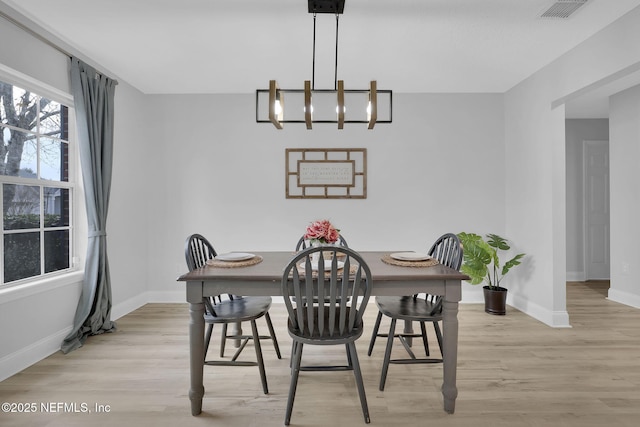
{"points": [[482, 265]]}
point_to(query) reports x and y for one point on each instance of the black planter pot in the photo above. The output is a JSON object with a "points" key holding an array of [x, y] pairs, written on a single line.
{"points": [[495, 300]]}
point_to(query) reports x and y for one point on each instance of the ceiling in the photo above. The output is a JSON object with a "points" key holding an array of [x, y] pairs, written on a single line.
{"points": [[223, 46]]}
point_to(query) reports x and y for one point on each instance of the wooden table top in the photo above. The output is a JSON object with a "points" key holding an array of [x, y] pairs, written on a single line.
{"points": [[273, 263]]}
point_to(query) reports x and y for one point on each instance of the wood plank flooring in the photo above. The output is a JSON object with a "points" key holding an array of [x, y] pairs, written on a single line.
{"points": [[512, 371]]}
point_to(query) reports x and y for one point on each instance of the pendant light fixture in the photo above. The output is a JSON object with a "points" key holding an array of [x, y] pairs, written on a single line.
{"points": [[364, 104]]}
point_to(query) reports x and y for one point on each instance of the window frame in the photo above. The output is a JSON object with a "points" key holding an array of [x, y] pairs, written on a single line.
{"points": [[73, 185]]}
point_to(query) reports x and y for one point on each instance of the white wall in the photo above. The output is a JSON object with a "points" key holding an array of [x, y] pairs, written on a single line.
{"points": [[577, 131], [536, 199], [536, 167], [624, 151], [129, 211], [221, 174], [34, 319]]}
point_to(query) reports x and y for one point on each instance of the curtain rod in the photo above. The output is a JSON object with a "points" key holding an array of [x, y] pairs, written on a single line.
{"points": [[40, 37]]}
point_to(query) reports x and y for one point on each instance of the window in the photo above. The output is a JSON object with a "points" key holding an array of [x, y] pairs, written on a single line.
{"points": [[34, 178]]}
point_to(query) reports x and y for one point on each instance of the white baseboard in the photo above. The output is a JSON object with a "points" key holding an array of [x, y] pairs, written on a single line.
{"points": [[132, 304], [19, 360], [472, 294], [626, 298], [575, 276], [555, 319], [166, 296], [15, 362], [126, 307]]}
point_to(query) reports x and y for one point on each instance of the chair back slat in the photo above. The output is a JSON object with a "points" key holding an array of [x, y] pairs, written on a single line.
{"points": [[209, 303], [319, 294], [198, 251], [297, 321], [309, 297], [448, 251], [328, 299], [356, 294]]}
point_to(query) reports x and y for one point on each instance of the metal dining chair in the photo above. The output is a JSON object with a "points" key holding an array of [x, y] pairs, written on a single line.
{"points": [[233, 309], [339, 286], [420, 308]]}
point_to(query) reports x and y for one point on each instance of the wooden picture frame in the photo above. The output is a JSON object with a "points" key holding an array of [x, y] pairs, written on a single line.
{"points": [[326, 173]]}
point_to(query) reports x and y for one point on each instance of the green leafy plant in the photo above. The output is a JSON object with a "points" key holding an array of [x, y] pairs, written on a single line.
{"points": [[482, 260]]}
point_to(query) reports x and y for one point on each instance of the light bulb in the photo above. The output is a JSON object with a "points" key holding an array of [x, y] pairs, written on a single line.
{"points": [[278, 107]]}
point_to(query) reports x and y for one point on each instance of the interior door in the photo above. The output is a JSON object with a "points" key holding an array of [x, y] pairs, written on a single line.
{"points": [[596, 209]]}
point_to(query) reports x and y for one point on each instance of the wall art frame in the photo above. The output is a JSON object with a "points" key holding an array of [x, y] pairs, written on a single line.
{"points": [[326, 173]]}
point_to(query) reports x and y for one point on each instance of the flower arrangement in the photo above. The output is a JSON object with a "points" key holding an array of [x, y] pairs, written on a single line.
{"points": [[322, 232]]}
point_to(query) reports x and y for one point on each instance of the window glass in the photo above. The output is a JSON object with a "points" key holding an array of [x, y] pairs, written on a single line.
{"points": [[51, 155], [21, 256], [56, 207], [21, 205], [34, 182], [19, 151], [56, 250], [51, 118]]}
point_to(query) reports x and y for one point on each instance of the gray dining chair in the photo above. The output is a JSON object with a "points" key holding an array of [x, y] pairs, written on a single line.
{"points": [[421, 308], [233, 309], [302, 244], [339, 286]]}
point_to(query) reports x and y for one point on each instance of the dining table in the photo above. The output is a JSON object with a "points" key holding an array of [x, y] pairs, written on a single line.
{"points": [[263, 277]]}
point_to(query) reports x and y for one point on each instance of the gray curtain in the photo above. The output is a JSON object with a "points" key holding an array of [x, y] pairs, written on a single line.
{"points": [[93, 96]]}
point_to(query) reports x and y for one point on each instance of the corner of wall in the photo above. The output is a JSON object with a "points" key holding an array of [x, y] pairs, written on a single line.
{"points": [[555, 319]]}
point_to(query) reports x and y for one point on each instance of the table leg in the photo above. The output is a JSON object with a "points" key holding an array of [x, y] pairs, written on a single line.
{"points": [[196, 348], [450, 356], [237, 331], [408, 329]]}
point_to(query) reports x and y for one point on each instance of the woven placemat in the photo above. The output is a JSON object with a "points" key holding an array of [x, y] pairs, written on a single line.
{"points": [[234, 264], [427, 263]]}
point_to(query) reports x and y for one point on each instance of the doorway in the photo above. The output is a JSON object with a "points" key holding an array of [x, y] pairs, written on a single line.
{"points": [[596, 210], [587, 177]]}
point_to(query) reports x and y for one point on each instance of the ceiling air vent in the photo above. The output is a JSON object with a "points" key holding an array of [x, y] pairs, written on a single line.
{"points": [[562, 9]]}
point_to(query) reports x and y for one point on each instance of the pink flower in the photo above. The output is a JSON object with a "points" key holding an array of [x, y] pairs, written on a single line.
{"points": [[322, 231], [332, 235]]}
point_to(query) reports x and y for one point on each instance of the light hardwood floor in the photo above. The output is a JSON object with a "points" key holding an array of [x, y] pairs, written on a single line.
{"points": [[512, 371]]}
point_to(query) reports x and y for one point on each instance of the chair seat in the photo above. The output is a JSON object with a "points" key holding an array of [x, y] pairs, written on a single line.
{"points": [[408, 308], [239, 309]]}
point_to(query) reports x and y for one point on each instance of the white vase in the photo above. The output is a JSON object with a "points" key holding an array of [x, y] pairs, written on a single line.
{"points": [[315, 257]]}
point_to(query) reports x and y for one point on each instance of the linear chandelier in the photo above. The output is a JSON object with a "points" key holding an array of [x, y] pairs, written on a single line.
{"points": [[310, 105]]}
